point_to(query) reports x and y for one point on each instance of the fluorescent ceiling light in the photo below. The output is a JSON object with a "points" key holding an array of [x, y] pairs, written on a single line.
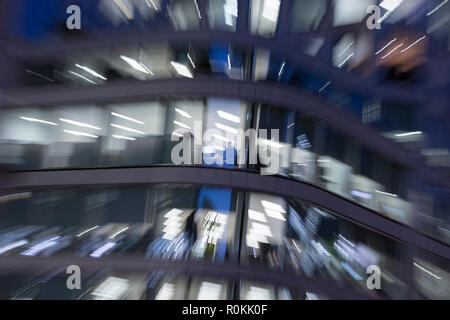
{"points": [[173, 212], [166, 292], [124, 9], [274, 214], [209, 291], [406, 134], [324, 86], [386, 193], [104, 248], [111, 289], [183, 113], [90, 71], [198, 9], [272, 206], [361, 194], [79, 124], [126, 118], [126, 128], [118, 232], [226, 128], [228, 116], [41, 246], [413, 44], [346, 60], [123, 137], [270, 143], [387, 45], [177, 134], [181, 124], [346, 48], [256, 215], [81, 76], [393, 50], [270, 9], [82, 134], [181, 69], [230, 9], [13, 245], [437, 8], [257, 293], [136, 65], [281, 69], [190, 60], [260, 228], [390, 5], [86, 231], [38, 120], [153, 4], [427, 271]]}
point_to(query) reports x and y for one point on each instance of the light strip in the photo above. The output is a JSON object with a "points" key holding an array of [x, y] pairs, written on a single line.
{"points": [[346, 60], [122, 7], [229, 116], [100, 251], [387, 45], [13, 245], [79, 124], [413, 44], [119, 232], [92, 72], [270, 143], [390, 5], [126, 118], [83, 134], [111, 289], [126, 128], [181, 69], [86, 231], [275, 214], [39, 75], [427, 271], [437, 8], [406, 134], [324, 86], [135, 65], [190, 60], [393, 50], [281, 69], [386, 193], [146, 68], [256, 215], [123, 137], [173, 212], [181, 124], [41, 246], [183, 113], [222, 138], [153, 4], [226, 128], [82, 77], [198, 10], [177, 134], [345, 49], [272, 206], [38, 120]]}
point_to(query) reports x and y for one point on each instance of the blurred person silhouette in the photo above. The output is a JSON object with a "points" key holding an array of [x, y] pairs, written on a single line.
{"points": [[191, 230]]}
